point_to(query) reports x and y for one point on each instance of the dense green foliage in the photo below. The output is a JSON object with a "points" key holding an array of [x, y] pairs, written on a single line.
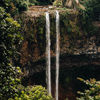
{"points": [[33, 93], [10, 90], [57, 3], [92, 8], [93, 93], [9, 37], [14, 6], [87, 23], [74, 28], [32, 2]]}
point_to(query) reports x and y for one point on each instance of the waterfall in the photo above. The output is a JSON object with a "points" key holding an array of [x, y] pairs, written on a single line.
{"points": [[57, 54], [48, 70]]}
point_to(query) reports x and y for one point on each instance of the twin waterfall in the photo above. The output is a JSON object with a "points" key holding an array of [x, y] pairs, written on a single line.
{"points": [[57, 53], [48, 62]]}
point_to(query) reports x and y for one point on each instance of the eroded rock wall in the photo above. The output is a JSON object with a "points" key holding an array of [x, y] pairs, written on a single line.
{"points": [[74, 38]]}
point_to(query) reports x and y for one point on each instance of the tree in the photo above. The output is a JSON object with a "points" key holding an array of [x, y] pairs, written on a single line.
{"points": [[92, 8], [9, 38], [93, 93], [67, 3], [14, 6]]}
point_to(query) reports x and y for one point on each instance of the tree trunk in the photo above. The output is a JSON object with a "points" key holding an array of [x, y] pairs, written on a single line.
{"points": [[71, 3], [68, 3]]}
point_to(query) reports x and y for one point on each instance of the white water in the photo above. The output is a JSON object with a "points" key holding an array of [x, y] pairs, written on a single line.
{"points": [[57, 54], [48, 69]]}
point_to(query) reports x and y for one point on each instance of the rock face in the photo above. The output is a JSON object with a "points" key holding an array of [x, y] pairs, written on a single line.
{"points": [[65, 62], [73, 40], [76, 48]]}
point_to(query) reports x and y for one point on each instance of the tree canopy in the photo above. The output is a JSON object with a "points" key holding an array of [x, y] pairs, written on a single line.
{"points": [[92, 8], [14, 6], [9, 38]]}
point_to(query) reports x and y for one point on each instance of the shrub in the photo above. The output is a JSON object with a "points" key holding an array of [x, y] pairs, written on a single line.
{"points": [[93, 93], [38, 93], [33, 93]]}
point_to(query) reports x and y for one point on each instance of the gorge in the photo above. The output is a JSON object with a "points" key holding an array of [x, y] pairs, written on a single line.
{"points": [[76, 48], [49, 50]]}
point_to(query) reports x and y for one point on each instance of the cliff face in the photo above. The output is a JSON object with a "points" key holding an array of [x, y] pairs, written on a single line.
{"points": [[79, 48], [75, 37]]}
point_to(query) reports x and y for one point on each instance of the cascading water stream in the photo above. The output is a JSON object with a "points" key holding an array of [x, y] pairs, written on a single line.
{"points": [[48, 64], [57, 54], [48, 69]]}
